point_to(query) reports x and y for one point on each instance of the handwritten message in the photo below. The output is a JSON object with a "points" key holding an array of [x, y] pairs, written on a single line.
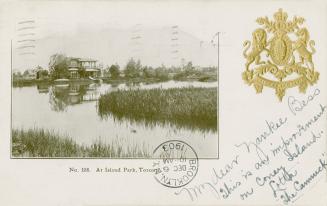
{"points": [[272, 160]]}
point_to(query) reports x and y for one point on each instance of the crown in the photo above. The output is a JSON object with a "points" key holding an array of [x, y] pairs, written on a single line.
{"points": [[280, 15]]}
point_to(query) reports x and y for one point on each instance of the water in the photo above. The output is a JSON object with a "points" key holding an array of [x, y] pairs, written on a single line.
{"points": [[72, 110]]}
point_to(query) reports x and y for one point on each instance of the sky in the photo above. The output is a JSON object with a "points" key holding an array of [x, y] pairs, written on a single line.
{"points": [[196, 18], [62, 19]]}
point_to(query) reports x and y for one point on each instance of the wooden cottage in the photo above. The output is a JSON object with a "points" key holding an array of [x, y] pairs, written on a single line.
{"points": [[83, 67]]}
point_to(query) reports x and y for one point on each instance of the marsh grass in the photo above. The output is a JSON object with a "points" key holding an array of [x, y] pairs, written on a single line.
{"points": [[46, 143], [186, 107]]}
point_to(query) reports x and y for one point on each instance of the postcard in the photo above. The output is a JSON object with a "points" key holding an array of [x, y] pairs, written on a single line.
{"points": [[163, 103]]}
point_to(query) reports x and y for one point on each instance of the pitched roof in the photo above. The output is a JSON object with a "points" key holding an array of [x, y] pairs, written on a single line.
{"points": [[83, 59], [87, 60]]}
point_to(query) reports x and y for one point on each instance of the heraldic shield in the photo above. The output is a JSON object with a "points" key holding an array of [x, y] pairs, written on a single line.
{"points": [[280, 56]]}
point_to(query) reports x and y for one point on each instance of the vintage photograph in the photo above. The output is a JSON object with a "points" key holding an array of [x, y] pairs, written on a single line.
{"points": [[100, 82]]}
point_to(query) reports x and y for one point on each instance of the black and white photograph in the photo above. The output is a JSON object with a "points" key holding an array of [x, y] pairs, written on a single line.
{"points": [[93, 82]]}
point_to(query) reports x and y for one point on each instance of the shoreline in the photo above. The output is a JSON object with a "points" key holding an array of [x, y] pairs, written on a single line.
{"points": [[33, 82]]}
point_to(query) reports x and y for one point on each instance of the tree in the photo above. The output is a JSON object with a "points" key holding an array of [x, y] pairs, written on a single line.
{"points": [[58, 66], [148, 72], [189, 66], [114, 71], [131, 70], [26, 73], [138, 65], [161, 73], [18, 74], [38, 67], [41, 73]]}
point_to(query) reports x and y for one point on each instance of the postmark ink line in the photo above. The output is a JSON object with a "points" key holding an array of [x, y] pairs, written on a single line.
{"points": [[26, 40], [26, 53], [27, 34], [28, 46], [26, 22], [26, 28]]}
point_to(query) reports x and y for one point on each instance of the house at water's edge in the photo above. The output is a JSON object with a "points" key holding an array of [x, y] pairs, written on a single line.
{"points": [[83, 67]]}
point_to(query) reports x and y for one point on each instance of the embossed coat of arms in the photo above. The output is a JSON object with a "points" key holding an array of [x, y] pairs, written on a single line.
{"points": [[280, 55]]}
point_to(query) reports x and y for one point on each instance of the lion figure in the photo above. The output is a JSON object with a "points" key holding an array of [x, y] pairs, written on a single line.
{"points": [[300, 46], [259, 43]]}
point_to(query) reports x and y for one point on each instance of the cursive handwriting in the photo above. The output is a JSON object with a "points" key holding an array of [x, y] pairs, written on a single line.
{"points": [[298, 105], [299, 150], [194, 192], [301, 128], [282, 178], [261, 181], [256, 164], [300, 186], [288, 194], [225, 171]]}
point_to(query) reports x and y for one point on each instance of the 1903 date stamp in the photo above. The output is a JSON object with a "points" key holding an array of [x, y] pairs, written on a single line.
{"points": [[177, 163]]}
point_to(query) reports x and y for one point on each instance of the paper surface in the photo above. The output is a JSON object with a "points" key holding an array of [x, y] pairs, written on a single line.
{"points": [[266, 145]]}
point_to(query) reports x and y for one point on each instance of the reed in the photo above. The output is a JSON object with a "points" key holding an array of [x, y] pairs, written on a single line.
{"points": [[46, 143], [186, 107]]}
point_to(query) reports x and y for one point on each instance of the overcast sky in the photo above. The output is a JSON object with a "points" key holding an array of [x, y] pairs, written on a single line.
{"points": [[196, 18], [53, 18]]}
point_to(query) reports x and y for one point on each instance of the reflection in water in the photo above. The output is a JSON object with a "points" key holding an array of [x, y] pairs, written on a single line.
{"points": [[43, 88], [72, 110], [61, 96]]}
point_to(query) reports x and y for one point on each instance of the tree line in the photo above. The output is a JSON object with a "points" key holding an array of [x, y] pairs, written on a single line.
{"points": [[59, 65]]}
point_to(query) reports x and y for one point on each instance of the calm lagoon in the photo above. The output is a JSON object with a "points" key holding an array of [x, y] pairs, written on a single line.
{"points": [[73, 110]]}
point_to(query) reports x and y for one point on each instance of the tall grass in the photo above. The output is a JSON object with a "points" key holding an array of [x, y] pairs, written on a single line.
{"points": [[46, 143], [185, 107]]}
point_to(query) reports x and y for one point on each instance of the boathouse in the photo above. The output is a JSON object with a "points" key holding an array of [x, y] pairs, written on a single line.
{"points": [[83, 67]]}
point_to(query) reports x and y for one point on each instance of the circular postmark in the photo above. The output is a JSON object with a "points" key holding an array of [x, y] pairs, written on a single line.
{"points": [[176, 165]]}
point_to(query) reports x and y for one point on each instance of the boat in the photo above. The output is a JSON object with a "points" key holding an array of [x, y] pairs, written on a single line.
{"points": [[94, 79]]}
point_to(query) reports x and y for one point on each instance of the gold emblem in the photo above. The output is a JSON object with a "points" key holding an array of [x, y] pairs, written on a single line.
{"points": [[283, 60]]}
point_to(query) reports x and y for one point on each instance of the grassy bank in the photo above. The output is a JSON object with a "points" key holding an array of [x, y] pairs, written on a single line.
{"points": [[196, 76], [33, 82], [185, 107], [131, 80], [28, 82], [45, 143]]}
